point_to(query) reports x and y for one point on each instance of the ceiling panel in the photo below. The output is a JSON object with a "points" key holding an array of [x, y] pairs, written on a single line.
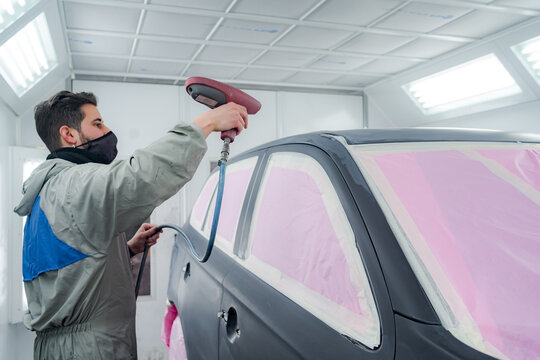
{"points": [[171, 24], [344, 63], [95, 63], [386, 66], [357, 12], [91, 17], [335, 39], [227, 54], [480, 23], [268, 75], [356, 80], [100, 44], [316, 38], [165, 49], [425, 48], [248, 31], [422, 17], [156, 67], [285, 58], [212, 71], [375, 43], [313, 78], [219, 5], [280, 8], [528, 4]]}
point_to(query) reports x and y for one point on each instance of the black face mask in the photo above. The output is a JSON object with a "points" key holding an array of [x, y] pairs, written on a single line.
{"points": [[103, 149]]}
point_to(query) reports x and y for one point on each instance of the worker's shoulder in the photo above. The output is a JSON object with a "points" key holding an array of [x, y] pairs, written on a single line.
{"points": [[77, 177]]}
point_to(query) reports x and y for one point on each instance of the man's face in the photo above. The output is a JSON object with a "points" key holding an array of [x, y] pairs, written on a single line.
{"points": [[92, 126]]}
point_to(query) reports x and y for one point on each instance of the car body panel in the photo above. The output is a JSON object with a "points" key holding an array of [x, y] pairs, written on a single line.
{"points": [[269, 324], [197, 294], [256, 304]]}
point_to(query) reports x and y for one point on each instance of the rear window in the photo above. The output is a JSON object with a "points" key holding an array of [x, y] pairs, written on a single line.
{"points": [[467, 216]]}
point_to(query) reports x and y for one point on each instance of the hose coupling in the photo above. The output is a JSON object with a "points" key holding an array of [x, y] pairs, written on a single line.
{"points": [[225, 150]]}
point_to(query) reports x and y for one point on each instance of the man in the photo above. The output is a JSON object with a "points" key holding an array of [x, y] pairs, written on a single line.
{"points": [[79, 203]]}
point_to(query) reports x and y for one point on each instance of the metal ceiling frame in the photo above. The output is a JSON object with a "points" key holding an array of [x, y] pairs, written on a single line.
{"points": [[135, 40], [144, 7], [275, 20], [249, 83], [230, 64], [224, 43]]}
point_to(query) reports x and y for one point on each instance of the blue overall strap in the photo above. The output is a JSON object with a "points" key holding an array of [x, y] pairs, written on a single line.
{"points": [[42, 250]]}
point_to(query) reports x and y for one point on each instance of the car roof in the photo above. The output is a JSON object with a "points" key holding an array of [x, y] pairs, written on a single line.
{"points": [[395, 135]]}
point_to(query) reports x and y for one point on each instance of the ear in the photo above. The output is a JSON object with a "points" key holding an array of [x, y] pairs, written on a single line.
{"points": [[68, 136]]}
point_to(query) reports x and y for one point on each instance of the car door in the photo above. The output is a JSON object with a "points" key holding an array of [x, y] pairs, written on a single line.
{"points": [[197, 287], [303, 289]]}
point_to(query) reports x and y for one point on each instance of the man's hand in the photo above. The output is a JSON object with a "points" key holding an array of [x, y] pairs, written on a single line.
{"points": [[145, 236], [223, 118]]}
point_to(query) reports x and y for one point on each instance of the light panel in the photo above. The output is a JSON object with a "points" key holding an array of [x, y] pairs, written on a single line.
{"points": [[473, 82], [28, 56], [529, 54], [11, 10]]}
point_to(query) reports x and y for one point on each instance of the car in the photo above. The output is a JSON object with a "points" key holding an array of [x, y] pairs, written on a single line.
{"points": [[417, 243]]}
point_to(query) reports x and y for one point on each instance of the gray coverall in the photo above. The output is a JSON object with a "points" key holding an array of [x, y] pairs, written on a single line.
{"points": [[76, 263]]}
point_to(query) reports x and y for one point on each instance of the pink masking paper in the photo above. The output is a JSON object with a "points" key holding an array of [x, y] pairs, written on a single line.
{"points": [[177, 349], [236, 183], [294, 234], [172, 334], [199, 209], [522, 163], [484, 233]]}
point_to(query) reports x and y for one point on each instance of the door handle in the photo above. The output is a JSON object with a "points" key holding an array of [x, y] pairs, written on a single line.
{"points": [[222, 314], [231, 323], [187, 271]]}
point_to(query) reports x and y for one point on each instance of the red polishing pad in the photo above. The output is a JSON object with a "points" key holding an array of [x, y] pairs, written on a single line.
{"points": [[214, 93]]}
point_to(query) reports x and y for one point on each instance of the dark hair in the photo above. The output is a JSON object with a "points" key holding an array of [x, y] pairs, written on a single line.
{"points": [[63, 108]]}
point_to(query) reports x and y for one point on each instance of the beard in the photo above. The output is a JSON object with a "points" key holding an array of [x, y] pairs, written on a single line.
{"points": [[84, 140]]}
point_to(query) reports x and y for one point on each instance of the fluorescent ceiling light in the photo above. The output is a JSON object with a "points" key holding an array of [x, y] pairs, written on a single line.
{"points": [[11, 10], [28, 56], [473, 82], [529, 54]]}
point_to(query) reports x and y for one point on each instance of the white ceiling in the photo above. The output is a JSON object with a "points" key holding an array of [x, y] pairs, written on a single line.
{"points": [[323, 44]]}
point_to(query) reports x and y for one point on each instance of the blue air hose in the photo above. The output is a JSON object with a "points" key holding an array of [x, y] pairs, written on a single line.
{"points": [[221, 184], [215, 220]]}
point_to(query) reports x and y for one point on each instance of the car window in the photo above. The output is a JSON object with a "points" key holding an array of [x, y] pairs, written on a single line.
{"points": [[302, 244], [238, 176], [198, 214], [467, 218]]}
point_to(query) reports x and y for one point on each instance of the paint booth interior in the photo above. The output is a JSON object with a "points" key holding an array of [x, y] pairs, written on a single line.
{"points": [[327, 66]]}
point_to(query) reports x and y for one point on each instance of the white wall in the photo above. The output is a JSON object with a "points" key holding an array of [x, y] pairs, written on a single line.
{"points": [[15, 341], [390, 106], [517, 118], [304, 112], [141, 113], [27, 135]]}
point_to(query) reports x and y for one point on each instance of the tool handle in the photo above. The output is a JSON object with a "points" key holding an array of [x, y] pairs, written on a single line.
{"points": [[215, 93], [229, 134]]}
